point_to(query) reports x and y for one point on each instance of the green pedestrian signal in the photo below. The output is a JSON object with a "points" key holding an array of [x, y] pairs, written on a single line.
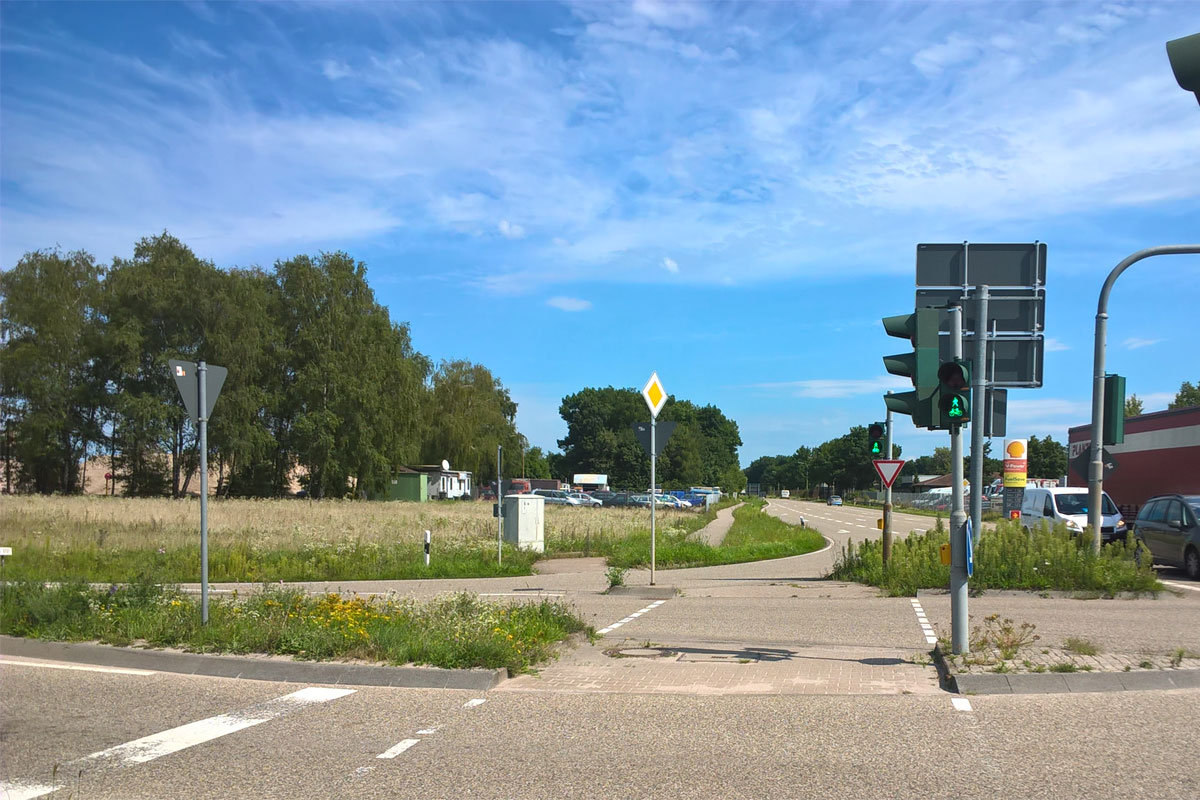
{"points": [[875, 439], [954, 393], [920, 328]]}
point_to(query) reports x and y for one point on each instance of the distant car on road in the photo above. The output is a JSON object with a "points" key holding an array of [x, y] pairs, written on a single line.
{"points": [[557, 497], [834, 500], [1169, 526], [785, 494]]}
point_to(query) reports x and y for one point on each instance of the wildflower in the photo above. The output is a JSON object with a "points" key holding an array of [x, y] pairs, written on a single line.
{"points": [[162, 550]]}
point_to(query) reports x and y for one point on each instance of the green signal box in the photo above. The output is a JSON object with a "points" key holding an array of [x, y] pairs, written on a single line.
{"points": [[1113, 431], [875, 439], [921, 365], [954, 393]]}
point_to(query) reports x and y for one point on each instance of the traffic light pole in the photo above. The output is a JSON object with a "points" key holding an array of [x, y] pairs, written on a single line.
{"points": [[1096, 468], [978, 404], [887, 497], [958, 517]]}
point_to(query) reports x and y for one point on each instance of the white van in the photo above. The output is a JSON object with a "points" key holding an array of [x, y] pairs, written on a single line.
{"points": [[785, 494], [1069, 505]]}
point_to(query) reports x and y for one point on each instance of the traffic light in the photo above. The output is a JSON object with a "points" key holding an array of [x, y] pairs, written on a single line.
{"points": [[1185, 62], [875, 439], [920, 328], [1113, 431], [954, 393]]}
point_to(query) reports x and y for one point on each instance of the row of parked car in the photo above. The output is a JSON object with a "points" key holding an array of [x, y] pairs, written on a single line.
{"points": [[563, 497]]}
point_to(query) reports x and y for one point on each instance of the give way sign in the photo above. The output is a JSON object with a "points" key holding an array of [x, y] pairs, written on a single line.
{"points": [[888, 469]]}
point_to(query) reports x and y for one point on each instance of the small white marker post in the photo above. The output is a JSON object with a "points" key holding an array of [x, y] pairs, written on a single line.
{"points": [[427, 548]]}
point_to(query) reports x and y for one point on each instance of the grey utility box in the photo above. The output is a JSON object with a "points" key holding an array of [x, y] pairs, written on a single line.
{"points": [[524, 521]]}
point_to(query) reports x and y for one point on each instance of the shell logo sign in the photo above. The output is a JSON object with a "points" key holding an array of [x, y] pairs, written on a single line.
{"points": [[1016, 463]]}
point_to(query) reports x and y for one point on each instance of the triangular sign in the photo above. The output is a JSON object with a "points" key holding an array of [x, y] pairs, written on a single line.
{"points": [[888, 469]]}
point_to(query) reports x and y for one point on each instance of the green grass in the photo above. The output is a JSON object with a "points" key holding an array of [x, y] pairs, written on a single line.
{"points": [[755, 536], [350, 560], [1080, 646], [454, 632], [610, 543], [1006, 558]]}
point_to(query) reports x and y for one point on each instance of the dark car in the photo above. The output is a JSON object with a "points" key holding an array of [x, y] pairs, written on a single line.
{"points": [[1169, 526]]}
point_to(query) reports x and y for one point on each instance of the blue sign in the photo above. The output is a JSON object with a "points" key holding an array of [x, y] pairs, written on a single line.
{"points": [[970, 549]]}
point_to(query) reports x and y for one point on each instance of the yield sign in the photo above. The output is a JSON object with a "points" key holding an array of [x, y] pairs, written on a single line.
{"points": [[888, 469]]}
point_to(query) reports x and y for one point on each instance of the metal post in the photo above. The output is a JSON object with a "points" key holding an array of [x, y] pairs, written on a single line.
{"points": [[958, 517], [1096, 467], [653, 498], [979, 384], [202, 424], [887, 496], [499, 509]]}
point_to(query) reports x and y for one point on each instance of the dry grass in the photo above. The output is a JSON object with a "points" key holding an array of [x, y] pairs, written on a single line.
{"points": [[141, 523]]}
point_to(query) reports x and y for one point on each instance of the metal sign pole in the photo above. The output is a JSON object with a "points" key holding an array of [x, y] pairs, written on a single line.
{"points": [[979, 386], [958, 517], [887, 496], [499, 510], [202, 423], [653, 498]]}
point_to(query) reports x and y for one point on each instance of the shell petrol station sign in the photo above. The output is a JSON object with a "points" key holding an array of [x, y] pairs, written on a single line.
{"points": [[1016, 463]]}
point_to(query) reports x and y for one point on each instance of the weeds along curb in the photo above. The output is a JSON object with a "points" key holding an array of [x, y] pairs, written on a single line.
{"points": [[260, 669]]}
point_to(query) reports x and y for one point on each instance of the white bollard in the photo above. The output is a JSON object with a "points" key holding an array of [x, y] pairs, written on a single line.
{"points": [[427, 548]]}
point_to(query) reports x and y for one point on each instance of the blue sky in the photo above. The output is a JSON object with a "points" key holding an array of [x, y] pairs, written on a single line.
{"points": [[577, 194]]}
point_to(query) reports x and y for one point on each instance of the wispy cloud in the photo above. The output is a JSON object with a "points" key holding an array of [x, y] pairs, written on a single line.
{"points": [[569, 303], [1138, 342], [1053, 345], [670, 266], [828, 388], [510, 230]]}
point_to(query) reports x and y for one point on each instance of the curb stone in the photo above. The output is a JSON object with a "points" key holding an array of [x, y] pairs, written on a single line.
{"points": [[1075, 682], [283, 670]]}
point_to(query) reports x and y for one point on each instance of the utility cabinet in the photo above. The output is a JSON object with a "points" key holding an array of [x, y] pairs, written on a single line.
{"points": [[524, 521]]}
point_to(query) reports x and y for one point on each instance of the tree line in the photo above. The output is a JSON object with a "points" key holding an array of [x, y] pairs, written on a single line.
{"points": [[843, 463], [322, 382]]}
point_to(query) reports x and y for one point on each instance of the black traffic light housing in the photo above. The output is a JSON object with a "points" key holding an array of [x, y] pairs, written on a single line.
{"points": [[875, 439], [1113, 431], [920, 328], [1184, 55], [954, 393]]}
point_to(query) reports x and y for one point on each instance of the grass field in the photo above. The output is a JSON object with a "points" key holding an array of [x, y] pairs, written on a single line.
{"points": [[104, 539]]}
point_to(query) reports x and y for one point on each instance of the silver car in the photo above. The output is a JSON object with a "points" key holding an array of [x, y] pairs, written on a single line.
{"points": [[586, 499], [557, 497]]}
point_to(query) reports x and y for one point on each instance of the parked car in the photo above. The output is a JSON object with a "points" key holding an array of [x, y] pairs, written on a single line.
{"points": [[604, 497], [833, 500], [556, 497], [673, 502], [586, 499], [1169, 526], [1069, 505]]}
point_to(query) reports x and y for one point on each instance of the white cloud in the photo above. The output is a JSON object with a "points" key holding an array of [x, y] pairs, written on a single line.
{"points": [[670, 266], [569, 303], [510, 230], [934, 59], [335, 70], [1155, 401], [1137, 342], [828, 388], [1053, 345]]}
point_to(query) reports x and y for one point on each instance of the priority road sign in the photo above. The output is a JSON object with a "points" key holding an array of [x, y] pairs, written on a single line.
{"points": [[888, 469], [655, 395]]}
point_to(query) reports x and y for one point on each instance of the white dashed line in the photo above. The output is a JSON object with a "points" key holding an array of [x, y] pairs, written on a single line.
{"points": [[1182, 586], [16, 662], [10, 790], [426, 731], [631, 617], [961, 703], [478, 701], [923, 621], [392, 752]]}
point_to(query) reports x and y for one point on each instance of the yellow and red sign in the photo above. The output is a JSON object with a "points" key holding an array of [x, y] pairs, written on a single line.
{"points": [[1016, 463]]}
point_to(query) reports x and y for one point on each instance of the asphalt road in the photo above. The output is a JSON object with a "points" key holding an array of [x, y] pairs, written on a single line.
{"points": [[1135, 744]]}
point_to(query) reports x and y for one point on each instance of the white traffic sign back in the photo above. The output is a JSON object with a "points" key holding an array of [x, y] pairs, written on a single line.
{"points": [[888, 469]]}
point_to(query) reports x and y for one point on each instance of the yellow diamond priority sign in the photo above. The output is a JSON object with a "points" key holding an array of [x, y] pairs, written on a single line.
{"points": [[655, 394]]}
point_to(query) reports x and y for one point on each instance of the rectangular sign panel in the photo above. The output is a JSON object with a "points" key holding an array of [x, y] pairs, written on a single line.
{"points": [[1009, 310], [1014, 362], [589, 477], [1016, 462], [994, 265]]}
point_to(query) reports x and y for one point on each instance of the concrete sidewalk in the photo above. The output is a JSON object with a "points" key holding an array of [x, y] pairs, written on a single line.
{"points": [[714, 532]]}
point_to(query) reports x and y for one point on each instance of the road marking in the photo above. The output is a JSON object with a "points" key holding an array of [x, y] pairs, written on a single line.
{"points": [[426, 731], [16, 662], [631, 617], [521, 594], [392, 752], [157, 745], [11, 790], [478, 701], [1182, 586], [923, 621], [961, 703]]}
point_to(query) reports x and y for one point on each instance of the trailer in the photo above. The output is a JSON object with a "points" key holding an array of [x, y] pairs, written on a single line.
{"points": [[1160, 455]]}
